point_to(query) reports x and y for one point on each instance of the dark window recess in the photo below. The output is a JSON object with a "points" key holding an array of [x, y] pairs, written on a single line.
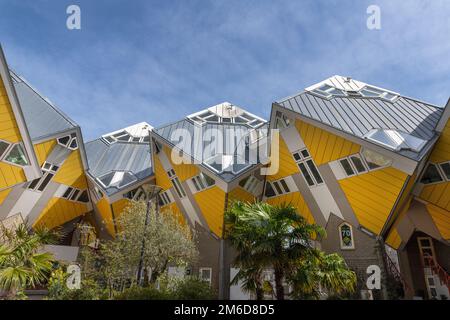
{"points": [[195, 184], [314, 171], [347, 167], [358, 164], [74, 195], [305, 153], [431, 175], [306, 174], [67, 193], [277, 186], [64, 140], [45, 182], [74, 144], [297, 157], [33, 183], [269, 191], [83, 197], [285, 186], [446, 169]]}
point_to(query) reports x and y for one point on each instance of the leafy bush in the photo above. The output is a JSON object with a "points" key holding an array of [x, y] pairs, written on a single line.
{"points": [[143, 293], [193, 289]]}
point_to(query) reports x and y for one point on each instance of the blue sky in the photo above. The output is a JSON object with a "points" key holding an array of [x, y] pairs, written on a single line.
{"points": [[158, 61]]}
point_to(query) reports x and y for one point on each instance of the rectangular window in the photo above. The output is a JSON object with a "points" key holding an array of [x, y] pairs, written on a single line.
{"points": [[202, 181], [307, 167], [347, 167], [276, 188], [67, 193], [74, 195], [48, 173], [178, 187], [205, 274], [250, 184], [164, 199], [269, 192], [359, 165], [446, 169], [16, 155], [45, 181]]}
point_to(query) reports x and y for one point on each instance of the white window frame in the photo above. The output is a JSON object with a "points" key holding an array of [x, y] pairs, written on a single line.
{"points": [[200, 184], [439, 170], [72, 137], [277, 193], [251, 185], [343, 246], [303, 160], [176, 183], [367, 169], [6, 150], [200, 270], [165, 198], [439, 165], [45, 172]]}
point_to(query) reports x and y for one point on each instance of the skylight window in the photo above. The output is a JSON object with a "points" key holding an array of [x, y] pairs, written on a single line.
{"points": [[328, 91], [118, 179], [372, 92], [396, 140], [226, 163]]}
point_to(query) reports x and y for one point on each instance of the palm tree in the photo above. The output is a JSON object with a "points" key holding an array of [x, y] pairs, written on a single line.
{"points": [[22, 263], [270, 236], [321, 272]]}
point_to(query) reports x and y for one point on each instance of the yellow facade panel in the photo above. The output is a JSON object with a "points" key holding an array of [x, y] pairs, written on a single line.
{"points": [[437, 194], [10, 175], [287, 164], [59, 211], [183, 171], [323, 145], [172, 208], [212, 204], [105, 211], [4, 195], [43, 150], [161, 177], [9, 130], [441, 219], [394, 239], [71, 172], [373, 195], [441, 151], [119, 206], [239, 194]]}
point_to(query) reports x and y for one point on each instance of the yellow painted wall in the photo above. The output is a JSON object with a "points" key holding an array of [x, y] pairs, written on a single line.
{"points": [[295, 199], [172, 208], [43, 150], [161, 177], [9, 130], [3, 195], [324, 146], [441, 219], [372, 195], [437, 194], [59, 211], [239, 194], [441, 150], [104, 209], [212, 204], [10, 175], [183, 171], [394, 239], [71, 172], [119, 206], [287, 164]]}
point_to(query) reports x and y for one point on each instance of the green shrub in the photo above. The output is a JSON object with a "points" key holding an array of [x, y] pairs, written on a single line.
{"points": [[143, 293], [192, 288]]}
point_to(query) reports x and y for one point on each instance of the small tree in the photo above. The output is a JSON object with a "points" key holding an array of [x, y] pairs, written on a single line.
{"points": [[167, 242], [22, 262]]}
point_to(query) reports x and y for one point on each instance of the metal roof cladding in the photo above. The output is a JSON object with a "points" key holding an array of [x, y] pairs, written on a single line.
{"points": [[357, 114], [205, 140], [43, 119], [104, 157]]}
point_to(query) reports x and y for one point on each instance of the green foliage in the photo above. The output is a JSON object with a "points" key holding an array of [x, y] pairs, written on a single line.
{"points": [[58, 290], [189, 288], [22, 262], [278, 238]]}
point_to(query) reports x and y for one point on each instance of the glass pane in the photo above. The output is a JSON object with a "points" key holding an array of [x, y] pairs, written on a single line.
{"points": [[375, 160], [277, 187], [314, 171], [17, 156], [306, 174], [127, 179], [325, 87], [305, 153], [67, 193], [269, 190], [284, 185], [106, 179], [384, 138], [347, 167], [33, 183], [209, 181], [297, 157], [243, 181], [197, 187], [3, 147], [74, 194], [358, 164], [44, 183], [431, 175], [64, 140], [83, 197], [367, 93], [446, 169]]}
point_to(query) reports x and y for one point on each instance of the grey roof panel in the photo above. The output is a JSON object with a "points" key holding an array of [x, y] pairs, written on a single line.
{"points": [[120, 156], [42, 118], [357, 116]]}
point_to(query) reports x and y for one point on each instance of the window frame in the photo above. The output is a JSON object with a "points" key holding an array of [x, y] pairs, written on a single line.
{"points": [[10, 149], [447, 178], [305, 160], [9, 144], [43, 181], [438, 169], [201, 269], [342, 245], [278, 188]]}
